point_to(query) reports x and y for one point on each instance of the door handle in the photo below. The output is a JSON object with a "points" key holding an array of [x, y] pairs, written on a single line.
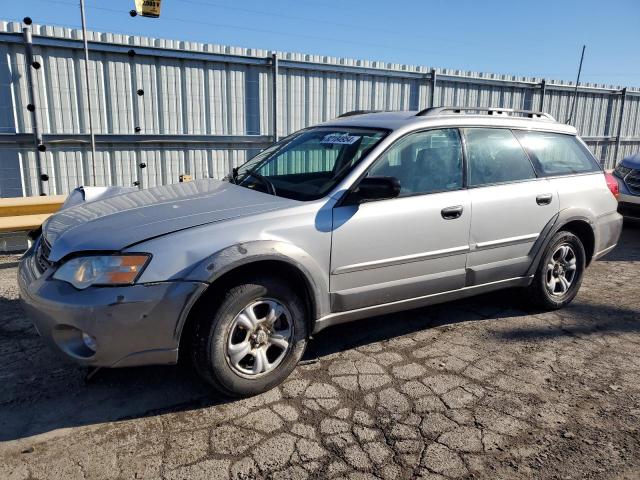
{"points": [[544, 198], [451, 213]]}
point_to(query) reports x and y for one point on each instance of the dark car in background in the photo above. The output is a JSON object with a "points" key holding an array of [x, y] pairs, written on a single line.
{"points": [[627, 173]]}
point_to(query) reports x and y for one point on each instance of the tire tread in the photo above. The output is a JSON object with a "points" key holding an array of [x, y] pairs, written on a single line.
{"points": [[539, 295], [206, 321]]}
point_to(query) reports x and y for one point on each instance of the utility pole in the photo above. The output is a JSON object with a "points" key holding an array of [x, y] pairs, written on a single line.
{"points": [[86, 75], [274, 94], [575, 92]]}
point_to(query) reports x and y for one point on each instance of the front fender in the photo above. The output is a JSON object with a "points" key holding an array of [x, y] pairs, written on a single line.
{"points": [[229, 258]]}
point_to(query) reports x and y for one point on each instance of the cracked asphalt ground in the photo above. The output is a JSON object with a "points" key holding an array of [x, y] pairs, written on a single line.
{"points": [[483, 388]]}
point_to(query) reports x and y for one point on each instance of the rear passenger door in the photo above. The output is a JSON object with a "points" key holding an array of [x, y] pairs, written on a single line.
{"points": [[510, 205]]}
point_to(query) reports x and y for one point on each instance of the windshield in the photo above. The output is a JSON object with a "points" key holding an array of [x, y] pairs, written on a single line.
{"points": [[307, 164]]}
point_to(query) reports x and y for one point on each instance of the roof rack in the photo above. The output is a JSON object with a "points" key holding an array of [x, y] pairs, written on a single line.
{"points": [[358, 112], [436, 111]]}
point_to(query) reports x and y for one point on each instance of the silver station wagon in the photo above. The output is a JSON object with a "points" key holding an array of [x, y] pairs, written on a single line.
{"points": [[370, 213]]}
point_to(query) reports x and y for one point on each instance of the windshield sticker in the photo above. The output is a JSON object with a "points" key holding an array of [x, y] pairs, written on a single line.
{"points": [[340, 139]]}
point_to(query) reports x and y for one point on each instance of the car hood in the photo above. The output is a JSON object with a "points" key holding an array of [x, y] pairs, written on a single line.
{"points": [[119, 221], [632, 162]]}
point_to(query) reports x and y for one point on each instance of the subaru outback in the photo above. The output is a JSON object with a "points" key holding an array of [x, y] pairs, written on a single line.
{"points": [[367, 214]]}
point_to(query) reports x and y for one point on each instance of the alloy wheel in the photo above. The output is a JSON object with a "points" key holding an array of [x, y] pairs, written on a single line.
{"points": [[561, 270], [259, 338]]}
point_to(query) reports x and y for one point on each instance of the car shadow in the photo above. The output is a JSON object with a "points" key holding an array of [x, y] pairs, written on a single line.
{"points": [[43, 392], [584, 319], [496, 305], [52, 394], [4, 266]]}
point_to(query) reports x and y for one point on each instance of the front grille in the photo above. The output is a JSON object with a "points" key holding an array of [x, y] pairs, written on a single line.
{"points": [[627, 209], [42, 255], [633, 181]]}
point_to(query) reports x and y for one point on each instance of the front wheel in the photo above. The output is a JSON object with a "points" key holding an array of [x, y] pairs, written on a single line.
{"points": [[559, 274], [253, 339]]}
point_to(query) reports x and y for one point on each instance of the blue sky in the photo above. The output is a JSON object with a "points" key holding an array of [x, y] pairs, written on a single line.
{"points": [[541, 38]]}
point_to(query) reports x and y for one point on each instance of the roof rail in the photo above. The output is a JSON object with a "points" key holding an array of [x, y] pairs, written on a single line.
{"points": [[435, 111], [358, 112]]}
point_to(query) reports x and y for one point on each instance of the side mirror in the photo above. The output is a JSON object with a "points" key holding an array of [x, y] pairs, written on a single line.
{"points": [[375, 188]]}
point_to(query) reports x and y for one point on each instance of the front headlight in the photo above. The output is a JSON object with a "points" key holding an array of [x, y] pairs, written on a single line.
{"points": [[83, 272], [622, 171]]}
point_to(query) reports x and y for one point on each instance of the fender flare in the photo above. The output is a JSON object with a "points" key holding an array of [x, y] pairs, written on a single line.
{"points": [[244, 253], [554, 226]]}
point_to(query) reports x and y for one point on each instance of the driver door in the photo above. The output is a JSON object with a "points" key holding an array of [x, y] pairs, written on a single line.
{"points": [[414, 245]]}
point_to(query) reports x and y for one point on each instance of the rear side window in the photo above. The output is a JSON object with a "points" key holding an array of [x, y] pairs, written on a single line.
{"points": [[495, 156], [557, 154]]}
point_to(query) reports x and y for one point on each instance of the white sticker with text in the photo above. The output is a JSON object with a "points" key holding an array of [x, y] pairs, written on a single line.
{"points": [[339, 139]]}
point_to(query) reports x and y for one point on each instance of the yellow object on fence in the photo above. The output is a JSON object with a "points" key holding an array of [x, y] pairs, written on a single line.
{"points": [[27, 213], [148, 8]]}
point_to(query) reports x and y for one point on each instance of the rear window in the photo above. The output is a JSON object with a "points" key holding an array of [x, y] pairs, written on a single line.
{"points": [[557, 154]]}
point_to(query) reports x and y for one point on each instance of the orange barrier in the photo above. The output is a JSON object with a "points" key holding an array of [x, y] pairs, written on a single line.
{"points": [[27, 213]]}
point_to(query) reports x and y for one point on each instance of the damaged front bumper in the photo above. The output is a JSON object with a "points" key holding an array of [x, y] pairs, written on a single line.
{"points": [[107, 326]]}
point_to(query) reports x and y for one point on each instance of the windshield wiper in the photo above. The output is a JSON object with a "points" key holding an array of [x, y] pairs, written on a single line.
{"points": [[252, 173], [233, 178]]}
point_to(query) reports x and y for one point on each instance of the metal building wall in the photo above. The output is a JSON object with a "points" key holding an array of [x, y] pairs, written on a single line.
{"points": [[206, 108]]}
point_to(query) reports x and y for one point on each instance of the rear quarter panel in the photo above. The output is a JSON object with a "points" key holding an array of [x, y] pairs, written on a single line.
{"points": [[587, 197]]}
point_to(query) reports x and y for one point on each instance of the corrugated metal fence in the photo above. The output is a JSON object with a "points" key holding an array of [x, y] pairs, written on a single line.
{"points": [[162, 108]]}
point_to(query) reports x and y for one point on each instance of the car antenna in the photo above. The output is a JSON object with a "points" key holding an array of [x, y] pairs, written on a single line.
{"points": [[575, 92]]}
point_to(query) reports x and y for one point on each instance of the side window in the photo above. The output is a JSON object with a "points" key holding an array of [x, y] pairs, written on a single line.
{"points": [[495, 156], [423, 162], [557, 154]]}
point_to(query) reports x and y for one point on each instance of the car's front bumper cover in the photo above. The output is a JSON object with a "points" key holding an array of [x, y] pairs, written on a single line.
{"points": [[629, 208], [130, 325], [628, 201]]}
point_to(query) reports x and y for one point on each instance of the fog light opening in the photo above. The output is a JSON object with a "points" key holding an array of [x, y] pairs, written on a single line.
{"points": [[89, 342], [75, 342]]}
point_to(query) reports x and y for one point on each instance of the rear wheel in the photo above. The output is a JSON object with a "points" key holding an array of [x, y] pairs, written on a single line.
{"points": [[253, 339], [560, 272]]}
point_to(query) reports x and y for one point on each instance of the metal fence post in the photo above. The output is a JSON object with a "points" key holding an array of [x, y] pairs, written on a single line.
{"points": [[434, 83], [37, 136], [274, 95], [543, 92], [86, 75], [623, 99]]}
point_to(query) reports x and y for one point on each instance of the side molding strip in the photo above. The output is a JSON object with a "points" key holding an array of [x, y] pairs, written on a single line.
{"points": [[387, 262], [507, 241]]}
